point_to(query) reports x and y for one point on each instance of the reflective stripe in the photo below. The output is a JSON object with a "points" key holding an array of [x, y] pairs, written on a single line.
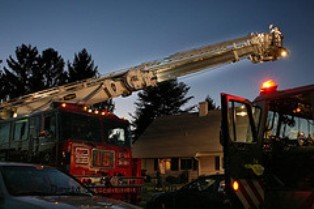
{"points": [[250, 193], [243, 199], [260, 189], [254, 201], [257, 190]]}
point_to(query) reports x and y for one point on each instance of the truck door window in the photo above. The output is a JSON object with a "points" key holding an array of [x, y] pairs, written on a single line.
{"points": [[50, 126], [116, 133], [4, 132], [20, 130], [34, 126], [239, 122]]}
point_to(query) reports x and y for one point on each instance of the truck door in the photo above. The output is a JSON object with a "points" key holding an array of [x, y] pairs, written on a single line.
{"points": [[20, 141], [242, 152]]}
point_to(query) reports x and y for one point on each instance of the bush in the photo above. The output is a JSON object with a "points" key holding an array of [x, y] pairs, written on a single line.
{"points": [[172, 180]]}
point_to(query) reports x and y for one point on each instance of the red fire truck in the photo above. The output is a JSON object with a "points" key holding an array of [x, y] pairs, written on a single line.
{"points": [[269, 148], [92, 145], [57, 126]]}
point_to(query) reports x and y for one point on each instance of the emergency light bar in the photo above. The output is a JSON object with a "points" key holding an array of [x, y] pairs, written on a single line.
{"points": [[268, 86]]}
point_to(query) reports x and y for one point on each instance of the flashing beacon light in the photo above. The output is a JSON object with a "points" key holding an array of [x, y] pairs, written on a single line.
{"points": [[268, 86], [235, 186], [64, 105]]}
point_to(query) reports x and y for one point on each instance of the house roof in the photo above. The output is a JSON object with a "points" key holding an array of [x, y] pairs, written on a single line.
{"points": [[180, 136]]}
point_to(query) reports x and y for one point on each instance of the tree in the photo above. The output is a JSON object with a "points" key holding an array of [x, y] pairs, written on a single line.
{"points": [[51, 65], [211, 103], [18, 75], [82, 67], [2, 85], [31, 71], [165, 99]]}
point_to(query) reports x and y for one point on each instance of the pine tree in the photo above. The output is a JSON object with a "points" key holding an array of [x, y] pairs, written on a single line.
{"points": [[52, 66], [82, 67], [165, 99], [2, 85], [31, 72], [211, 103], [18, 75]]}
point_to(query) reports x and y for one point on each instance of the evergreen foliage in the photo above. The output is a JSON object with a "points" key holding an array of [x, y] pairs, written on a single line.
{"points": [[211, 103], [20, 72], [31, 71], [167, 98], [52, 66], [82, 67]]}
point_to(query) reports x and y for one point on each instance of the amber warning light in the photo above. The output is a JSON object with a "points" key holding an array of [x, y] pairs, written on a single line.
{"points": [[235, 186], [268, 86]]}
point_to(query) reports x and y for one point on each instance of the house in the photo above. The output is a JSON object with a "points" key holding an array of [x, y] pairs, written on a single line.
{"points": [[186, 143]]}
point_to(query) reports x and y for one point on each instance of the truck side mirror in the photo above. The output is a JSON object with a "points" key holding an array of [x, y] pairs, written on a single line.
{"points": [[43, 133]]}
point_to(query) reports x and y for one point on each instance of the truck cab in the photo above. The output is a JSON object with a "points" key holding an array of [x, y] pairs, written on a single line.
{"points": [[269, 148]]}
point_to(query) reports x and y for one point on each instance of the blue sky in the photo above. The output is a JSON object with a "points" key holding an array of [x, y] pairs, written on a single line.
{"points": [[124, 33]]}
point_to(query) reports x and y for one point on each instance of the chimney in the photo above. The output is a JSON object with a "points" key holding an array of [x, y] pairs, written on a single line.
{"points": [[203, 109]]}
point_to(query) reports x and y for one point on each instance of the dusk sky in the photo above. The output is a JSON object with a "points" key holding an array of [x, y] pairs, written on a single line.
{"points": [[124, 33]]}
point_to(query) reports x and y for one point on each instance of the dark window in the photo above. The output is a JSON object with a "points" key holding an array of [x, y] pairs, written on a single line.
{"points": [[195, 164], [20, 130], [156, 165], [80, 127], [50, 126], [217, 163], [34, 126], [186, 164], [4, 132], [174, 164]]}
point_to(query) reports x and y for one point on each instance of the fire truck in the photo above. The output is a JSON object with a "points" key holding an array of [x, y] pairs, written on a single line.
{"points": [[269, 148], [58, 127]]}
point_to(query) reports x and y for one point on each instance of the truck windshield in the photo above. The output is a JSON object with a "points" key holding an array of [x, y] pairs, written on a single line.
{"points": [[291, 122], [80, 127], [93, 128], [293, 130]]}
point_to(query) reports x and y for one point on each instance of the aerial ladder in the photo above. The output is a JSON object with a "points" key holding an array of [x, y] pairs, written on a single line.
{"points": [[257, 47]]}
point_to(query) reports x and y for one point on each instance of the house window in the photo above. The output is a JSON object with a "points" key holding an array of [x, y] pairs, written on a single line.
{"points": [[186, 164], [217, 163], [167, 164], [195, 164], [174, 164], [156, 166]]}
